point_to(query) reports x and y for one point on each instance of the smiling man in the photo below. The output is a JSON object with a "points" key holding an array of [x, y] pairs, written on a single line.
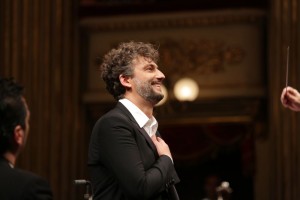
{"points": [[127, 157]]}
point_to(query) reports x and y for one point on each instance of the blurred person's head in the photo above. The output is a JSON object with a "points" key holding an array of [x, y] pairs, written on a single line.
{"points": [[14, 118]]}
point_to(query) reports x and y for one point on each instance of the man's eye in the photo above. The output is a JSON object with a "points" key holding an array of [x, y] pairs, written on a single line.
{"points": [[150, 69]]}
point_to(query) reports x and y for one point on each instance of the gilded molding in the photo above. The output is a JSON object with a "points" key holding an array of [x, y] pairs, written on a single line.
{"points": [[174, 20], [199, 56]]}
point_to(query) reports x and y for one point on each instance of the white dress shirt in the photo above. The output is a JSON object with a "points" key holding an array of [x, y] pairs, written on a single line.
{"points": [[149, 125]]}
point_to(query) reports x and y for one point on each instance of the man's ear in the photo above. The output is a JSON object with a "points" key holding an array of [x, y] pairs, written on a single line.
{"points": [[125, 81], [19, 135]]}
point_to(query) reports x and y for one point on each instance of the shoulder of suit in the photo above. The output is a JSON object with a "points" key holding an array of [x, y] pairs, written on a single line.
{"points": [[119, 111], [21, 178], [27, 175]]}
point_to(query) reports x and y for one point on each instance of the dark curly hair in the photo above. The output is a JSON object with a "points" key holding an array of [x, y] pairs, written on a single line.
{"points": [[12, 111], [119, 61]]}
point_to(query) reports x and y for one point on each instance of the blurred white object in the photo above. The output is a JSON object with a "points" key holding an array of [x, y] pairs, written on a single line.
{"points": [[224, 191], [186, 89]]}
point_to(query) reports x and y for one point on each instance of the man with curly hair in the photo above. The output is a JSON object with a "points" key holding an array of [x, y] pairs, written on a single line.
{"points": [[16, 184], [128, 159]]}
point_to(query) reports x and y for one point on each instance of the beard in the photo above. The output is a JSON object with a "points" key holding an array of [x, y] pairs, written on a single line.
{"points": [[145, 90]]}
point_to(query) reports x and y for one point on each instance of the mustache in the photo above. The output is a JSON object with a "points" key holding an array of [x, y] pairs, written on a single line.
{"points": [[157, 82]]}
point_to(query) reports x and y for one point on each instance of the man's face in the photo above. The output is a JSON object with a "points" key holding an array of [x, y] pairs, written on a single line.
{"points": [[147, 80]]}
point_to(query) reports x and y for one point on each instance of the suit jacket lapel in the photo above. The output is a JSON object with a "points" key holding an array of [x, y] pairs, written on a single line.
{"points": [[141, 130], [148, 139]]}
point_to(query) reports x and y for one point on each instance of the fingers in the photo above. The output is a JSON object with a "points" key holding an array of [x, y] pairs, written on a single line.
{"points": [[157, 139], [154, 139], [161, 147], [288, 93], [290, 98], [291, 91], [283, 96], [292, 94]]}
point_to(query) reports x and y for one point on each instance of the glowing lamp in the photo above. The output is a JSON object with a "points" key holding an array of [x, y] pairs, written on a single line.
{"points": [[186, 89]]}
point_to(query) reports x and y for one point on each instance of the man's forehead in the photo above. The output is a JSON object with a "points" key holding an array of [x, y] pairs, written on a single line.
{"points": [[139, 59]]}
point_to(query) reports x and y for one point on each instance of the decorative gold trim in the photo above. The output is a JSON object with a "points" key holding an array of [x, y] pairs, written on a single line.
{"points": [[173, 20]]}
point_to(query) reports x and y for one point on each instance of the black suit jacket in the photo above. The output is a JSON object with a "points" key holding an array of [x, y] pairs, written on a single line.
{"points": [[16, 184], [123, 161]]}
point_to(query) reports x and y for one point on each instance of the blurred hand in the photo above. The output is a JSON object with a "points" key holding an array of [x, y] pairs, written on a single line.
{"points": [[161, 146], [290, 98]]}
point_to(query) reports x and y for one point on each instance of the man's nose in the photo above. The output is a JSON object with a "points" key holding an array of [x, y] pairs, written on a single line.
{"points": [[160, 75]]}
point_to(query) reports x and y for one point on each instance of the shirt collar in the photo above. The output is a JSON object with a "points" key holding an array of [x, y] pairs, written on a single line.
{"points": [[149, 125], [137, 114]]}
